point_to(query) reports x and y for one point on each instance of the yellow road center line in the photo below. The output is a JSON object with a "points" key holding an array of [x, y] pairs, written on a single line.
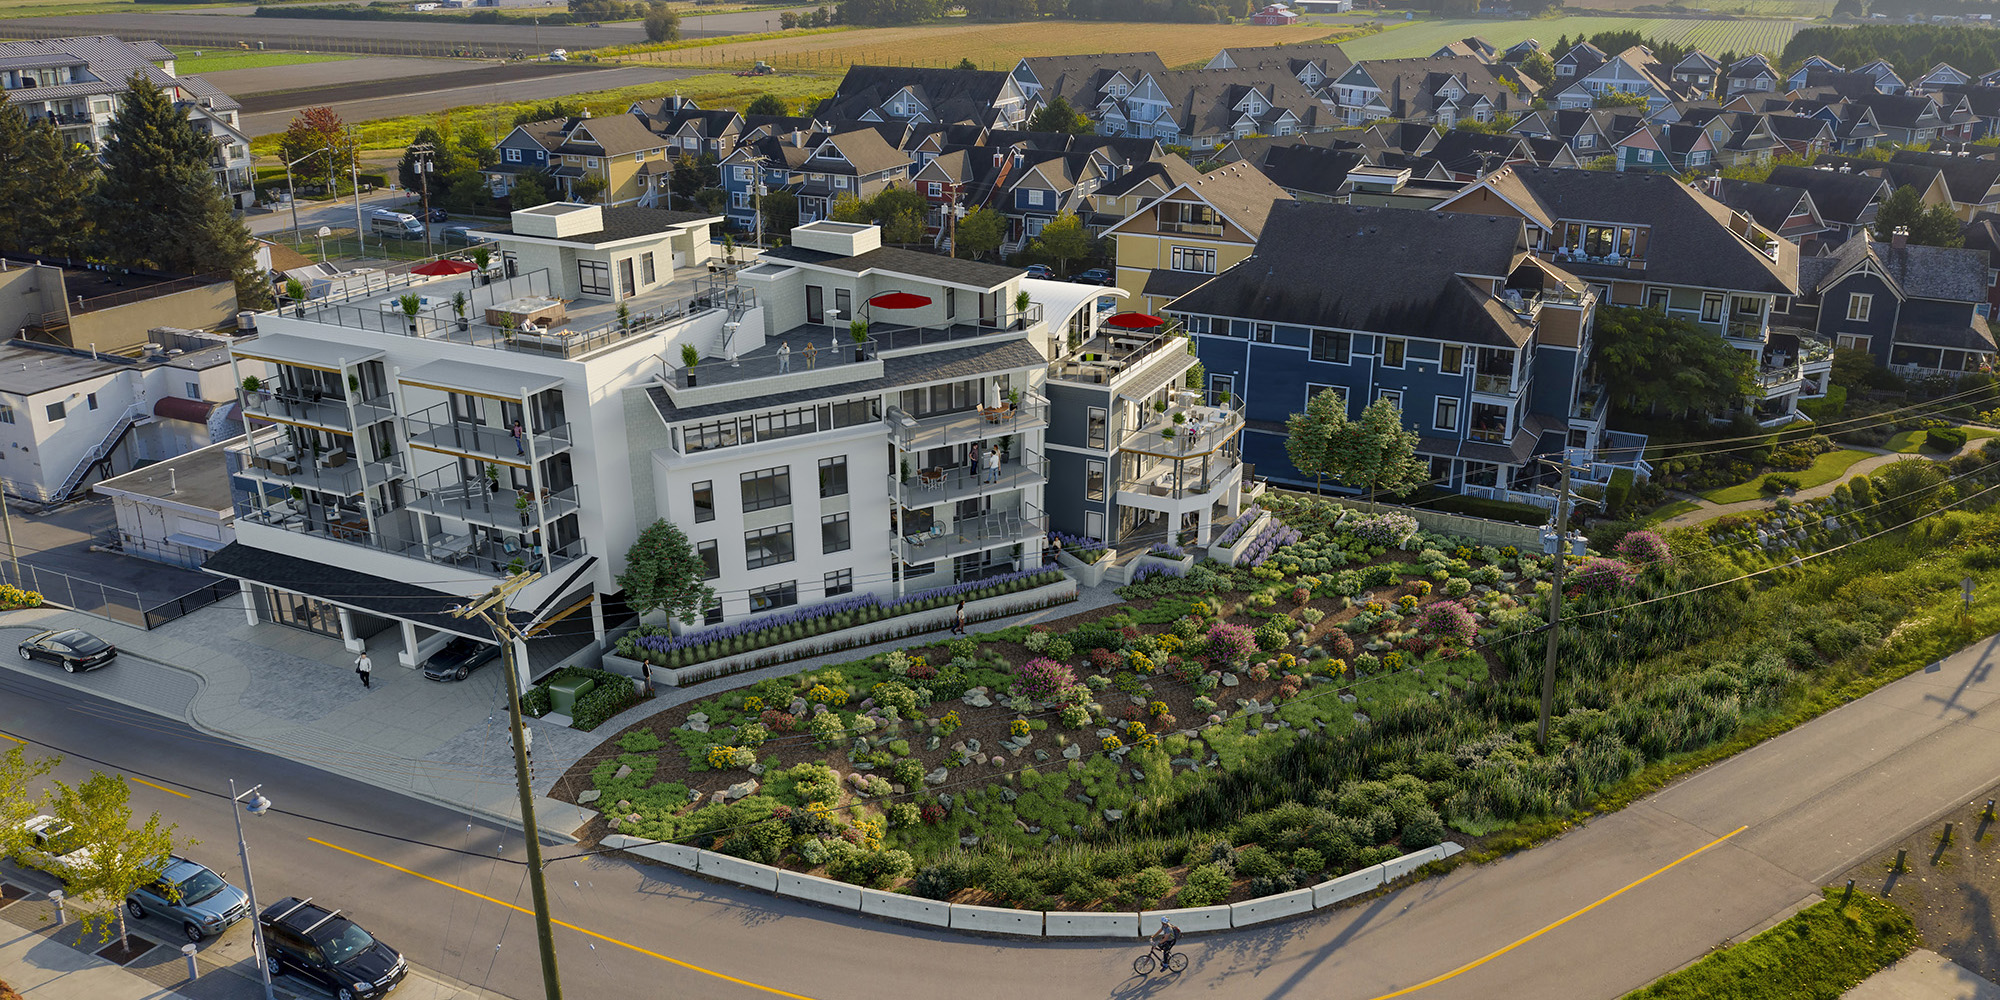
{"points": [[589, 933], [17, 739], [1635, 883], [163, 788]]}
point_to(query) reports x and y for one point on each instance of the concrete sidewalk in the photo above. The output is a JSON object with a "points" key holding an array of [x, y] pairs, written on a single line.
{"points": [[1924, 975], [42, 961]]}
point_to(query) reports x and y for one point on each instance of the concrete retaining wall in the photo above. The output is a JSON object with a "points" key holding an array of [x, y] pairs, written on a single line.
{"points": [[994, 920], [1347, 886], [737, 870], [1228, 554], [1100, 925], [819, 890], [1087, 574], [1189, 919], [677, 855], [1284, 904], [1526, 537], [1003, 606], [1393, 870], [915, 909]]}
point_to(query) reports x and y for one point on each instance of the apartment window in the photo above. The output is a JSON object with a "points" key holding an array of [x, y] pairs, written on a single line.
{"points": [[711, 559], [739, 199], [1331, 345], [840, 181], [1446, 417], [6, 414], [704, 501], [1220, 388], [1750, 308], [1392, 352], [1711, 308], [56, 411], [1093, 479], [1859, 307], [92, 399], [590, 162], [743, 173], [834, 535], [1845, 341], [1451, 359], [513, 156], [1645, 155], [1098, 421], [767, 488], [1394, 396], [777, 595], [840, 582], [626, 286], [786, 423], [937, 189], [1093, 524], [833, 477], [593, 277], [646, 272], [1035, 198], [1657, 298], [1262, 333], [639, 157], [767, 546], [1585, 141], [1194, 259], [712, 616]]}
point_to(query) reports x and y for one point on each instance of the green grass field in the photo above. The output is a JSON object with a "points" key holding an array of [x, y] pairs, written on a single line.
{"points": [[1822, 952], [1911, 442], [219, 60], [1714, 36], [1825, 469], [1672, 510], [66, 8]]}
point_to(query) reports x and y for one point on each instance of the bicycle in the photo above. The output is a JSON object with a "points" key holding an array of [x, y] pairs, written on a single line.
{"points": [[1175, 965]]}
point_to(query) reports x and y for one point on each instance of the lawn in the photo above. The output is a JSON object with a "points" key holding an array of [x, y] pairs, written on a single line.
{"points": [[1822, 952], [1713, 35], [65, 8], [1912, 442], [1670, 511], [1825, 469], [192, 60], [990, 46]]}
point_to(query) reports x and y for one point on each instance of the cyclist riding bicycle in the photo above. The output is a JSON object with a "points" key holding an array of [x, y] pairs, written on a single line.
{"points": [[1164, 939]]}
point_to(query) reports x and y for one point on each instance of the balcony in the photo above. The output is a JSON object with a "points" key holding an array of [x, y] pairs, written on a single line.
{"points": [[1776, 380], [313, 405], [1202, 430], [813, 347], [935, 486], [1576, 257], [1103, 358], [1590, 404], [477, 550], [274, 459], [443, 494], [436, 429], [1746, 330], [1505, 384], [965, 426], [973, 535]]}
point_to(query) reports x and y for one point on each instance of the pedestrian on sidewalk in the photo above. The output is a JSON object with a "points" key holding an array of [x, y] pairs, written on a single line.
{"points": [[364, 666], [959, 627]]}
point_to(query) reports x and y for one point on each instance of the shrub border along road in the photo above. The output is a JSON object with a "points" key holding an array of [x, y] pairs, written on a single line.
{"points": [[1817, 953]]}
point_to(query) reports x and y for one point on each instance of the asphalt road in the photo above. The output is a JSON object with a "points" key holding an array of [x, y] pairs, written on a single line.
{"points": [[1600, 911]]}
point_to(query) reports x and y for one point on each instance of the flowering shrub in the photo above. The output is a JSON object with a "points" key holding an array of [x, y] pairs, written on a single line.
{"points": [[1019, 727], [1392, 660], [1366, 662], [1510, 552], [778, 722], [921, 671], [1238, 526], [1200, 609], [1141, 663], [823, 695], [1151, 570], [897, 697], [13, 598], [1382, 529], [1423, 588], [1167, 549], [1407, 602], [933, 814], [1260, 672], [1300, 595], [1267, 543], [753, 734], [1074, 716], [827, 728], [1228, 643], [1645, 548], [1169, 643], [1603, 576], [1448, 621], [1081, 547], [949, 724], [1037, 640], [1457, 586], [1104, 659], [1042, 678], [1135, 729], [1311, 616], [1112, 743], [722, 758], [1339, 645], [753, 704], [1374, 607]]}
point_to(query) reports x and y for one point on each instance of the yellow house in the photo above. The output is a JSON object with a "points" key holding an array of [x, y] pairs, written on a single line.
{"points": [[1196, 230], [619, 150]]}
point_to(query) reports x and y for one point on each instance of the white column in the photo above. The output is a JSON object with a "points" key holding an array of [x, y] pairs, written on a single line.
{"points": [[597, 619], [1204, 522], [353, 642], [249, 603], [408, 656]]}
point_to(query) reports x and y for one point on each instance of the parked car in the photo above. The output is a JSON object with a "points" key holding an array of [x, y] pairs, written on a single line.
{"points": [[1040, 271], [1094, 276], [52, 847], [190, 894], [438, 215], [458, 659], [319, 945], [71, 649], [458, 236]]}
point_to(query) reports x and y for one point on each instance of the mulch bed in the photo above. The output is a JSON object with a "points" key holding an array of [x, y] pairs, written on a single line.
{"points": [[1950, 890], [126, 950], [11, 893]]}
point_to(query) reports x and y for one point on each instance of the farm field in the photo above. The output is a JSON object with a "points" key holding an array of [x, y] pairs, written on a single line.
{"points": [[1714, 36], [224, 60], [990, 46], [53, 8], [1744, 8]]}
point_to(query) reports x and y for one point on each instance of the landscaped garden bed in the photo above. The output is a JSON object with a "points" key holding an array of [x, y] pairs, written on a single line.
{"points": [[1352, 691]]}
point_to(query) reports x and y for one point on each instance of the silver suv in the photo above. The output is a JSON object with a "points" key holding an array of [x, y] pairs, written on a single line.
{"points": [[203, 902]]}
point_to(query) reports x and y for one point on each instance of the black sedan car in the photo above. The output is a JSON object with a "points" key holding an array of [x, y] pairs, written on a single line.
{"points": [[1094, 276], [438, 215], [458, 236], [319, 945], [72, 649], [458, 659]]}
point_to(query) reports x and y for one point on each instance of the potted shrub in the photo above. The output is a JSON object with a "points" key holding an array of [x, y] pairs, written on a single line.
{"points": [[1179, 418], [492, 478], [296, 291], [1159, 406], [516, 567], [859, 331], [507, 324], [1021, 305], [252, 384], [624, 316], [411, 304], [521, 504], [1166, 432], [689, 358], [480, 257], [458, 303]]}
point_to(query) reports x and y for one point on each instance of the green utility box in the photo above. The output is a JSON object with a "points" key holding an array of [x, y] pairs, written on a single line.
{"points": [[564, 693]]}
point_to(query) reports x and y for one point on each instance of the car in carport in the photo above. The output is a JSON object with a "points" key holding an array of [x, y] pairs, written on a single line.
{"points": [[459, 658]]}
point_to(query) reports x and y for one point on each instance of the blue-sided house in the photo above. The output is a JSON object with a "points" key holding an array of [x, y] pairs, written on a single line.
{"points": [[1916, 309]]}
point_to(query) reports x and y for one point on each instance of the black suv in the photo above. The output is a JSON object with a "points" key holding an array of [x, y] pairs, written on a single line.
{"points": [[320, 945]]}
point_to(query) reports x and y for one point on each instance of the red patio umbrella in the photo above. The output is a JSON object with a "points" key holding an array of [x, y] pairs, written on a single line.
{"points": [[899, 300], [1135, 321], [442, 267]]}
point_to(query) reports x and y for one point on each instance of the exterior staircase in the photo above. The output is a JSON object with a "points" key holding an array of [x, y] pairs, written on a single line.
{"points": [[133, 416]]}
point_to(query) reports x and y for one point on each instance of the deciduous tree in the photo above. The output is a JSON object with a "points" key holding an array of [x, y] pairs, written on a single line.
{"points": [[980, 232], [1064, 239], [1935, 226], [1309, 434], [531, 188], [1059, 116], [767, 104], [1539, 68], [1376, 452], [314, 129], [663, 573], [1669, 365], [18, 802], [663, 25], [114, 858]]}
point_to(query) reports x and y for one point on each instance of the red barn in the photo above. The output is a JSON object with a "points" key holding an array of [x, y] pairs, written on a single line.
{"points": [[1276, 13]]}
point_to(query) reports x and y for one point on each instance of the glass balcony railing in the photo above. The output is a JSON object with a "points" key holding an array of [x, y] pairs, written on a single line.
{"points": [[1201, 430], [310, 403], [477, 549], [970, 535], [931, 487], [964, 426], [487, 503], [1500, 384], [436, 428]]}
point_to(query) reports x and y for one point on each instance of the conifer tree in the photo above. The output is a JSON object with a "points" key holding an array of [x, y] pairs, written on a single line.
{"points": [[53, 217]]}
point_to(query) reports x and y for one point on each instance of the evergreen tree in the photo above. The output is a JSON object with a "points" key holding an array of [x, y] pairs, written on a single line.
{"points": [[767, 104], [54, 219], [1935, 226], [158, 205], [14, 174], [1059, 116], [663, 573], [1377, 451]]}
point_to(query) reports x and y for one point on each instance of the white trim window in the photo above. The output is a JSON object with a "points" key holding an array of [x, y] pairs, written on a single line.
{"points": [[1860, 305], [1445, 417], [513, 156], [1200, 260]]}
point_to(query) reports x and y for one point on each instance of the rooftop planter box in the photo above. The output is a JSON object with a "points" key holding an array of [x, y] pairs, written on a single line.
{"points": [[834, 625], [1247, 526]]}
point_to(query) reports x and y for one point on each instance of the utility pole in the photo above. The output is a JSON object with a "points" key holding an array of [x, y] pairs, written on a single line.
{"points": [[354, 173], [424, 153], [13, 554], [1563, 504], [492, 609]]}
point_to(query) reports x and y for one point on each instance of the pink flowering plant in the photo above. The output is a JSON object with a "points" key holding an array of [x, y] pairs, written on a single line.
{"points": [[1645, 548], [1448, 621], [1228, 643], [1604, 576], [1042, 678]]}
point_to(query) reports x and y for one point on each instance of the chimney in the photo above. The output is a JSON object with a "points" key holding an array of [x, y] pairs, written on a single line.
{"points": [[1900, 238]]}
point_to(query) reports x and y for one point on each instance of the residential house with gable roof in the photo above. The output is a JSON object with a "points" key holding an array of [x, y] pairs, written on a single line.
{"points": [[1435, 90], [1916, 309], [693, 131], [1926, 178], [1847, 201], [1984, 103], [1648, 240], [1943, 76], [1200, 228], [1206, 108], [1751, 74], [1313, 64], [1698, 72], [1589, 132], [1580, 61], [1676, 148], [524, 149], [914, 94], [1085, 81], [1803, 136], [1782, 209], [1983, 233], [1136, 187], [618, 150], [1886, 80], [774, 163], [1483, 345], [1633, 71], [1806, 67], [859, 163], [1973, 182]]}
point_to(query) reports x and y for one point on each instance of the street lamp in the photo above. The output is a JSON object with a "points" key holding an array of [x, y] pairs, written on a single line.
{"points": [[324, 232], [255, 804], [292, 195]]}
